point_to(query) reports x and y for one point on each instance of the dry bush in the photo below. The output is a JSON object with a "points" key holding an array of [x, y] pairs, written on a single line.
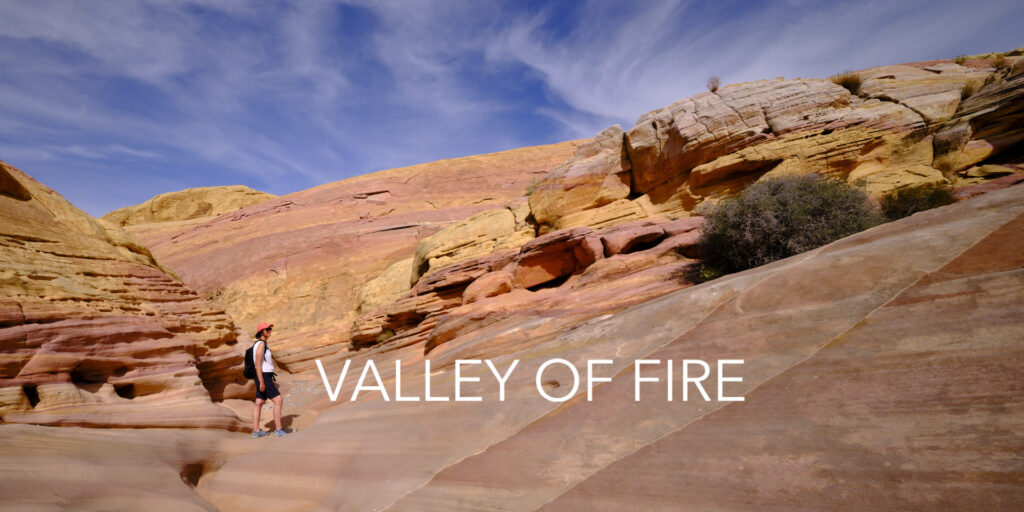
{"points": [[847, 79], [713, 83], [999, 61], [905, 202], [532, 187], [777, 218], [960, 59]]}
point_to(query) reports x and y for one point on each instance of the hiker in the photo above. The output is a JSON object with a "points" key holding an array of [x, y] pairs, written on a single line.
{"points": [[266, 388]]}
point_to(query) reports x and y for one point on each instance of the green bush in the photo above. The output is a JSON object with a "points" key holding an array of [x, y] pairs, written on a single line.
{"points": [[905, 202], [847, 79], [777, 218]]}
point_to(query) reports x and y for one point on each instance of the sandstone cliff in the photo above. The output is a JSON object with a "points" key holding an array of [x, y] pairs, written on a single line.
{"points": [[301, 261], [188, 204], [906, 125], [881, 371], [93, 332]]}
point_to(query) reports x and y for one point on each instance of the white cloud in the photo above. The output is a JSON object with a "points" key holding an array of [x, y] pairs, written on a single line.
{"points": [[615, 67], [293, 94]]}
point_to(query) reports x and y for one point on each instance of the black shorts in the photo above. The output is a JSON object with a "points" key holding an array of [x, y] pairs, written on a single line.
{"points": [[271, 392]]}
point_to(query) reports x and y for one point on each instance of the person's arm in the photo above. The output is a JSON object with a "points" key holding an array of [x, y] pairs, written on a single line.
{"points": [[258, 356]]}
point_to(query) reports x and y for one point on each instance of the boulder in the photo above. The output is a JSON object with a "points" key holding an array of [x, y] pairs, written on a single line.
{"points": [[385, 288], [548, 257], [488, 285], [626, 237], [459, 275], [481, 234], [597, 174], [616, 212]]}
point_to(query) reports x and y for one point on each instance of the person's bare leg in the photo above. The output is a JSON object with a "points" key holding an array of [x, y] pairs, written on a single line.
{"points": [[278, 405], [257, 407]]}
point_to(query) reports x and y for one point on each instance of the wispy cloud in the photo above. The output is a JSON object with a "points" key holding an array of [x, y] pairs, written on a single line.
{"points": [[287, 95], [619, 62]]}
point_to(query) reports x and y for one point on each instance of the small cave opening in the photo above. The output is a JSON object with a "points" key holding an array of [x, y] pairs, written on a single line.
{"points": [[126, 390], [554, 283], [32, 393], [86, 380], [642, 245], [191, 473]]}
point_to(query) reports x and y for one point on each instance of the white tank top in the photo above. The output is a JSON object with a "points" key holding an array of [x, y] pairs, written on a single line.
{"points": [[268, 362]]}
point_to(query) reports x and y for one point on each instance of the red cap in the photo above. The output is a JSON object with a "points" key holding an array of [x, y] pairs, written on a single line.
{"points": [[263, 325]]}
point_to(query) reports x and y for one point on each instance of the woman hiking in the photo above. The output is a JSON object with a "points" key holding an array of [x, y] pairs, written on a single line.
{"points": [[266, 388]]}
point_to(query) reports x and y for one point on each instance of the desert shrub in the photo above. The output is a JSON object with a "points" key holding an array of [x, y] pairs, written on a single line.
{"points": [[707, 273], [990, 79], [532, 187], [967, 91], [713, 83], [960, 59], [777, 218], [847, 79], [999, 61], [385, 335], [905, 202]]}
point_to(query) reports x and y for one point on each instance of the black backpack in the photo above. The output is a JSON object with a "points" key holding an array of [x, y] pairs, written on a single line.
{"points": [[249, 371]]}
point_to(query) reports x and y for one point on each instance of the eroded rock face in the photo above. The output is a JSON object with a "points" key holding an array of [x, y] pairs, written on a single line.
{"points": [[483, 233], [94, 333], [301, 261], [909, 125], [985, 124], [188, 204], [554, 271], [841, 348], [597, 174]]}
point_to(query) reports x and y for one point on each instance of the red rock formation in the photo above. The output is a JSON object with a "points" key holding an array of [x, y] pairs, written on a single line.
{"points": [[301, 260], [93, 332], [879, 370]]}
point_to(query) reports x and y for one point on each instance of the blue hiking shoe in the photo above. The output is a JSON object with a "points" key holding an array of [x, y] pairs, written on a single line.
{"points": [[260, 433], [279, 433]]}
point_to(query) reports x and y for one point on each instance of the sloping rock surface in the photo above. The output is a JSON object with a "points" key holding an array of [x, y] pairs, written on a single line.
{"points": [[188, 204], [300, 261], [881, 371], [907, 125], [93, 332]]}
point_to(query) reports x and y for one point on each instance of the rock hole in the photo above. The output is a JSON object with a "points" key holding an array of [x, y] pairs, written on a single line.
{"points": [[554, 283], [125, 390], [827, 131], [86, 380], [31, 393], [643, 245], [191, 473]]}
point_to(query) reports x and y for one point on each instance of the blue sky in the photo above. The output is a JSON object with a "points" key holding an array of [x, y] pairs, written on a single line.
{"points": [[112, 102]]}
